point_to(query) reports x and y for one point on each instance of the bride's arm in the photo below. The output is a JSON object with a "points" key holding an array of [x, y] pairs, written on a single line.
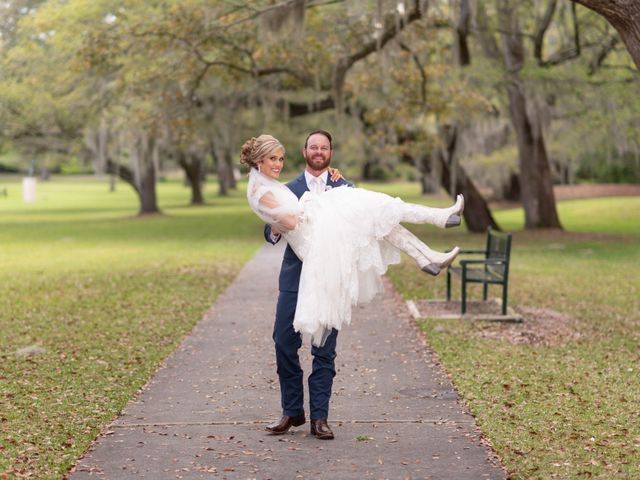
{"points": [[284, 222]]}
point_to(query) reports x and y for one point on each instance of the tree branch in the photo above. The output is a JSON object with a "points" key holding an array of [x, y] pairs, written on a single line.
{"points": [[388, 34], [125, 173], [576, 28], [462, 34], [343, 64], [299, 109], [423, 75], [568, 53], [277, 6], [487, 39], [541, 28]]}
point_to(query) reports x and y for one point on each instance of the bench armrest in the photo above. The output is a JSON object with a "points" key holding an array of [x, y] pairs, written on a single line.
{"points": [[473, 251]]}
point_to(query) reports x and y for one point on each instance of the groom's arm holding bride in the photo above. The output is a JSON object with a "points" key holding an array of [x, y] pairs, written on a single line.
{"points": [[272, 234]]}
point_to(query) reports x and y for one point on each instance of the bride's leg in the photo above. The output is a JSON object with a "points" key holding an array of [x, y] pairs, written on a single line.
{"points": [[429, 261], [440, 217]]}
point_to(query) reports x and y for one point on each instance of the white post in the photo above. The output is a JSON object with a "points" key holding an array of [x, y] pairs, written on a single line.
{"points": [[29, 189]]}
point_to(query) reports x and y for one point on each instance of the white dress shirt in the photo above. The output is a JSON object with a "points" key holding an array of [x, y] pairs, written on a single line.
{"points": [[316, 184]]}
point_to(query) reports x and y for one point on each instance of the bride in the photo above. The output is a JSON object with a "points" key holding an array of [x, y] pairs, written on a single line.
{"points": [[346, 237]]}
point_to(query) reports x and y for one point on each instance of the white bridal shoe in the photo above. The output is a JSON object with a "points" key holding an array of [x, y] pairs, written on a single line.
{"points": [[455, 218], [437, 261], [440, 217], [427, 259]]}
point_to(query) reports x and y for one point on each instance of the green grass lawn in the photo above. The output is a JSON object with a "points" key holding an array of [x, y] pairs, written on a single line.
{"points": [[107, 296]]}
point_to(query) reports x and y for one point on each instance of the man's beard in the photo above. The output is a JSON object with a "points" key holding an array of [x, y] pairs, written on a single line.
{"points": [[317, 162]]}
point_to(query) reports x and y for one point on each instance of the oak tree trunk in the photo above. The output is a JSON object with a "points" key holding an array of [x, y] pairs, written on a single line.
{"points": [[193, 170], [429, 180], [141, 175], [143, 178], [454, 179], [222, 168], [147, 191], [477, 216], [535, 173], [536, 183], [145, 188]]}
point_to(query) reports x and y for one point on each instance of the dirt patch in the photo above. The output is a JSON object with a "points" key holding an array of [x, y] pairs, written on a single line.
{"points": [[538, 326], [569, 192], [573, 192]]}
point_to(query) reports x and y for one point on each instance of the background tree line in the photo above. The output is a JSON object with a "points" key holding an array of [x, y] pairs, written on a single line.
{"points": [[495, 99]]}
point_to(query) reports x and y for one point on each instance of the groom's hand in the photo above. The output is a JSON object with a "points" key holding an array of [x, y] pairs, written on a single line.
{"points": [[270, 236]]}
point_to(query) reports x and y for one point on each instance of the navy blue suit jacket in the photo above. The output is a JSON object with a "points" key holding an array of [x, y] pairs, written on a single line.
{"points": [[291, 264]]}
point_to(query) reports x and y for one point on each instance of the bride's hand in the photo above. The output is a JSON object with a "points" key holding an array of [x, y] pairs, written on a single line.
{"points": [[335, 174]]}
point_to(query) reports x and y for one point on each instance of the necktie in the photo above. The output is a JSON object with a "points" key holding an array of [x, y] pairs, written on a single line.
{"points": [[317, 186]]}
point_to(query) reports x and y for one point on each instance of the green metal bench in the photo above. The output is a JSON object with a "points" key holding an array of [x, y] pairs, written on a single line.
{"points": [[493, 269]]}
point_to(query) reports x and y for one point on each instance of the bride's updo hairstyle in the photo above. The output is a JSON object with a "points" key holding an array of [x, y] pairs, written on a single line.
{"points": [[255, 149]]}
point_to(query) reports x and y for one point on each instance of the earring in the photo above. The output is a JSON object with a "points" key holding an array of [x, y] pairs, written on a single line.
{"points": [[258, 167]]}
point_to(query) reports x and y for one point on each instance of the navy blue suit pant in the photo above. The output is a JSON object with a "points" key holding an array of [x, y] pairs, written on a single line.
{"points": [[287, 343]]}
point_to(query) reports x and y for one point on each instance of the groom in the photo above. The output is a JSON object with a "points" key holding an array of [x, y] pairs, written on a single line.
{"points": [[317, 153]]}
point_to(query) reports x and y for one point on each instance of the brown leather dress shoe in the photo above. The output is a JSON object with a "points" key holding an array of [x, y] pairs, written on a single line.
{"points": [[285, 424], [320, 429]]}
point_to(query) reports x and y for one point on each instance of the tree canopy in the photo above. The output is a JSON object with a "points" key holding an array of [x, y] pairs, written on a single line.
{"points": [[469, 94]]}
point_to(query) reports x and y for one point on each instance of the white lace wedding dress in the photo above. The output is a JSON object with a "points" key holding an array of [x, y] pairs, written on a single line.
{"points": [[339, 237]]}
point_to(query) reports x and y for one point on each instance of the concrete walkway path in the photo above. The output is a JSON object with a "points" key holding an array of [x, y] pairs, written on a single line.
{"points": [[394, 412]]}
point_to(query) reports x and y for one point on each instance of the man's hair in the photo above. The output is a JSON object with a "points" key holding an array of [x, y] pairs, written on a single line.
{"points": [[321, 132]]}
